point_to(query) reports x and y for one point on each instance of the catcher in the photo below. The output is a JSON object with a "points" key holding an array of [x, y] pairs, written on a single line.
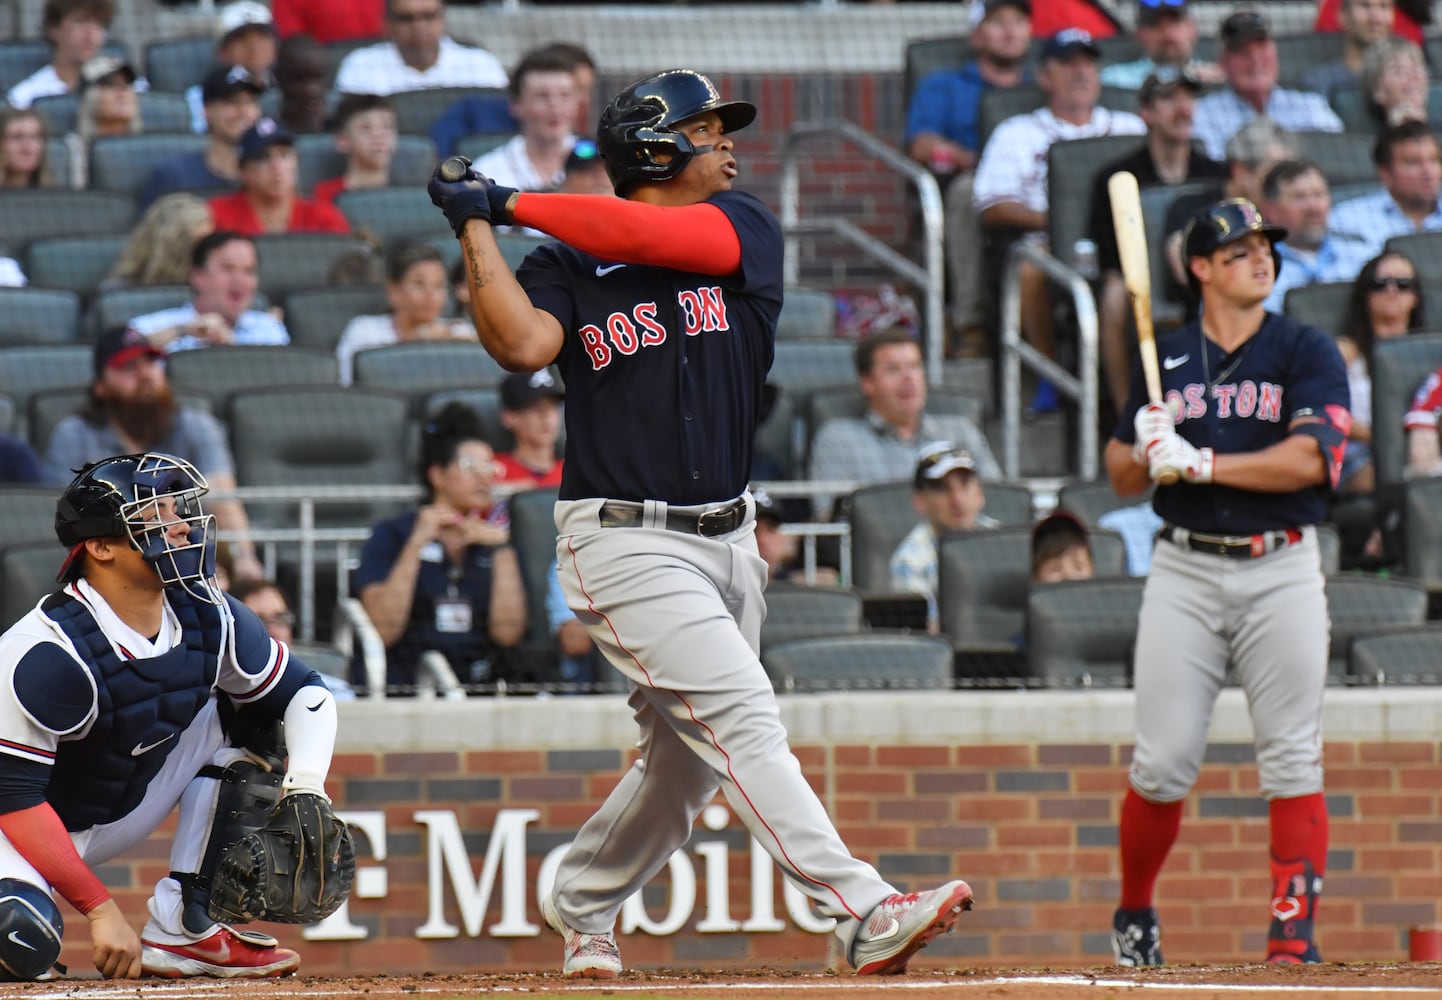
{"points": [[139, 685]]}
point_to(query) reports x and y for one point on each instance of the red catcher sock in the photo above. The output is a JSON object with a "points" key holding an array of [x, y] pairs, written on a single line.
{"points": [[1148, 831], [1299, 830], [1298, 862]]}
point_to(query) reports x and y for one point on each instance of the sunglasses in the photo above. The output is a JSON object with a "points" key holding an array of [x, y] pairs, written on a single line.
{"points": [[1401, 284], [1163, 4]]}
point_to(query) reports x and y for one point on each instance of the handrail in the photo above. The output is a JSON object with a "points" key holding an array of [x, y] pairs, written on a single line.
{"points": [[1015, 352], [930, 277]]}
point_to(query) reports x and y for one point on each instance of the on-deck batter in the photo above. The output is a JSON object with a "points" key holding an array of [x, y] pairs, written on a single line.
{"points": [[660, 308], [1255, 424]]}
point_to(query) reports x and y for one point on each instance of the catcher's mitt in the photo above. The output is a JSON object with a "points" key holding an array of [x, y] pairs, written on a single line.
{"points": [[297, 869]]}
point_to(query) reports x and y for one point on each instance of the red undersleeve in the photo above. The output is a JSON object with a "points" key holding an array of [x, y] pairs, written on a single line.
{"points": [[42, 840], [695, 238]]}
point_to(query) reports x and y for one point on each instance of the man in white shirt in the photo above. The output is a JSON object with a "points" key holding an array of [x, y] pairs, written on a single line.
{"points": [[1410, 167], [75, 30], [418, 56], [223, 283]]}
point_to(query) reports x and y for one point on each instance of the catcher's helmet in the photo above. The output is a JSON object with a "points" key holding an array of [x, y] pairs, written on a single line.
{"points": [[638, 125], [140, 498], [1224, 223]]}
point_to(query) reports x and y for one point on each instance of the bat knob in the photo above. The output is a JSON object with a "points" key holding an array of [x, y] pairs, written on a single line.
{"points": [[1167, 478], [453, 168]]}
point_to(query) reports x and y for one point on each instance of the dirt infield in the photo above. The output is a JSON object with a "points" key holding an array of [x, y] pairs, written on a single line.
{"points": [[1320, 982]]}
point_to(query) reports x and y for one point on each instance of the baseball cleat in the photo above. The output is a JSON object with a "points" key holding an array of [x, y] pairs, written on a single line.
{"points": [[225, 954], [588, 956], [1137, 938], [904, 923]]}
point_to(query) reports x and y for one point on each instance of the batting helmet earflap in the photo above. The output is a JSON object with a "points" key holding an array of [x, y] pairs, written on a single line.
{"points": [[1223, 223], [637, 135]]}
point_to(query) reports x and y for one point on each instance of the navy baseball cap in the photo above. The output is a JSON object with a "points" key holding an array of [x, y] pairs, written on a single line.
{"points": [[523, 389], [260, 137], [224, 82], [120, 345], [1067, 43], [1242, 27]]}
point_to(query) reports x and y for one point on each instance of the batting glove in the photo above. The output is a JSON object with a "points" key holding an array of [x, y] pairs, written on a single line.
{"points": [[1153, 424], [474, 196], [1181, 458]]}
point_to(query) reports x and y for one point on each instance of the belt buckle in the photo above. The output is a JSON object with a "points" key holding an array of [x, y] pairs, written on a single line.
{"points": [[716, 522]]}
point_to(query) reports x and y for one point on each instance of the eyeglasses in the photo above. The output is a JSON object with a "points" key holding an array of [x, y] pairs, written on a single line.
{"points": [[474, 465], [279, 618], [419, 17], [1401, 284]]}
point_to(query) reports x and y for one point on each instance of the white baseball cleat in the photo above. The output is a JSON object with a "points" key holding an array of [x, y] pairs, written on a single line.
{"points": [[588, 956], [903, 924]]}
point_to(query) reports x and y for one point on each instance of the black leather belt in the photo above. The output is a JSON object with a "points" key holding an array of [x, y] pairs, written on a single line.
{"points": [[1232, 546], [721, 521]]}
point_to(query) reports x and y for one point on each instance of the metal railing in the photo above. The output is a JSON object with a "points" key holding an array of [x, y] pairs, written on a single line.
{"points": [[930, 277], [1015, 352]]}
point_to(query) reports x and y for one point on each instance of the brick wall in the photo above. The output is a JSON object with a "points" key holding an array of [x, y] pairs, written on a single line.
{"points": [[1032, 827]]}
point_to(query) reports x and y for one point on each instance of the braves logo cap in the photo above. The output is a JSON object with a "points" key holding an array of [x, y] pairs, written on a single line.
{"points": [[260, 137], [523, 389]]}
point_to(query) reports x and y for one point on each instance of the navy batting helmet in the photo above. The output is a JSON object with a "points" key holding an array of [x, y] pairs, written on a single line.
{"points": [[1224, 223], [637, 135]]}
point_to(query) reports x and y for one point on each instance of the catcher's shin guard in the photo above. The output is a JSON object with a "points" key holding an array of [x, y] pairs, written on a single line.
{"points": [[1296, 888], [30, 931]]}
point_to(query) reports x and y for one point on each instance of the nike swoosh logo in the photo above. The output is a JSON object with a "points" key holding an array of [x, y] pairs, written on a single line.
{"points": [[601, 272], [1170, 363], [315, 707], [142, 748], [17, 939]]}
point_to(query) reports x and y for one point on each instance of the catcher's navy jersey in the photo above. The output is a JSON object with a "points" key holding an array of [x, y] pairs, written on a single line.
{"points": [[1246, 401], [663, 368]]}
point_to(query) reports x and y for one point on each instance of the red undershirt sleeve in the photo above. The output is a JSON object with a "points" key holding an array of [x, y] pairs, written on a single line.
{"points": [[42, 840], [697, 238]]}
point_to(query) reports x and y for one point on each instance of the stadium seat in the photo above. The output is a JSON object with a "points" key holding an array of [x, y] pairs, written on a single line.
{"points": [[1422, 529], [291, 262], [514, 247], [24, 371], [417, 110], [1346, 99], [796, 611], [807, 314], [1345, 157], [1082, 630], [803, 366], [123, 162], [19, 59], [1155, 203], [219, 372], [316, 317], [1329, 548], [865, 660], [1090, 500], [415, 158], [320, 436], [27, 514], [75, 263], [119, 306], [172, 65], [393, 214], [487, 405], [1425, 252], [38, 316], [160, 112], [533, 533], [982, 579], [27, 573], [61, 162], [425, 366], [782, 434], [1073, 166], [1299, 54], [473, 147], [46, 409], [1322, 305], [27, 214], [1361, 604], [1404, 656], [1398, 366], [9, 414]]}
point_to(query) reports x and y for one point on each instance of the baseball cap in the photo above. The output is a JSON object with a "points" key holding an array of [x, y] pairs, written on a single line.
{"points": [[520, 390], [241, 15], [120, 345], [260, 137], [767, 507], [1151, 11], [1068, 42], [1242, 27], [97, 68], [985, 8], [1061, 522], [1165, 79], [939, 462], [224, 82]]}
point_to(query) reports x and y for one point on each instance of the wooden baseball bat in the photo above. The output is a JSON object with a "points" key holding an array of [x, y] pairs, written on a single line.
{"points": [[1131, 234]]}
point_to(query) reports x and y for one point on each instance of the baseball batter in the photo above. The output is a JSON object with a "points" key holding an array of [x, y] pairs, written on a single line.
{"points": [[1261, 419], [660, 309]]}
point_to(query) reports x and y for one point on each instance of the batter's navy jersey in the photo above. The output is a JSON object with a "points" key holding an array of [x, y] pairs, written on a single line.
{"points": [[663, 368], [1246, 401]]}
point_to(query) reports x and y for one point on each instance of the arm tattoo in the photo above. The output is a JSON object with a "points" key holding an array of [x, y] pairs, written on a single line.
{"points": [[473, 261]]}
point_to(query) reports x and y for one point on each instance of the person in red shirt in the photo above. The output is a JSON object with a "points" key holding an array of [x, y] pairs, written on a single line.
{"points": [[366, 132], [1049, 18], [330, 20], [267, 201], [531, 410]]}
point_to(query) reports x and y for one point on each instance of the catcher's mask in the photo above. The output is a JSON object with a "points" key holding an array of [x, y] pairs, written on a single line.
{"points": [[142, 498]]}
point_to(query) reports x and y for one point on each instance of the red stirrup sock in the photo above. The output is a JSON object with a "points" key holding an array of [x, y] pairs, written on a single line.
{"points": [[1298, 861], [1148, 831]]}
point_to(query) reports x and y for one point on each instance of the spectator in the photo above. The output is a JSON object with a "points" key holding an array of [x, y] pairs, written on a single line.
{"points": [[1408, 18], [896, 431], [23, 163], [782, 551], [1060, 549], [1249, 60], [109, 105], [580, 664], [1011, 179], [943, 133], [586, 171], [1363, 23], [445, 577], [245, 36], [1424, 453], [1410, 169], [268, 601], [300, 74], [531, 411], [231, 99], [131, 409], [75, 30], [1394, 82], [329, 20], [418, 55], [1168, 37], [543, 100], [358, 265], [1167, 100], [416, 288], [366, 133], [19, 465], [1138, 525], [223, 284], [268, 200], [1296, 197], [158, 252], [947, 493], [1091, 16], [1386, 302]]}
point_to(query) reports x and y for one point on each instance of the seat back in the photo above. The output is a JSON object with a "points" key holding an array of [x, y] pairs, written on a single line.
{"points": [[862, 660], [290, 262], [417, 110], [925, 56], [19, 59], [1406, 656], [1298, 55], [316, 317], [487, 405], [175, 64], [1155, 203], [1083, 630], [75, 263], [1072, 169], [881, 515], [782, 435], [38, 316], [1090, 500], [426, 366], [27, 573], [411, 165], [220, 372], [9, 414], [119, 306], [807, 314], [982, 581], [1425, 252], [160, 112], [801, 367], [514, 247], [478, 144], [533, 533], [1360, 604], [393, 214], [1422, 529], [1398, 366], [796, 611], [46, 409], [1322, 305], [25, 371], [123, 162], [27, 514], [1345, 157], [28, 214]]}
